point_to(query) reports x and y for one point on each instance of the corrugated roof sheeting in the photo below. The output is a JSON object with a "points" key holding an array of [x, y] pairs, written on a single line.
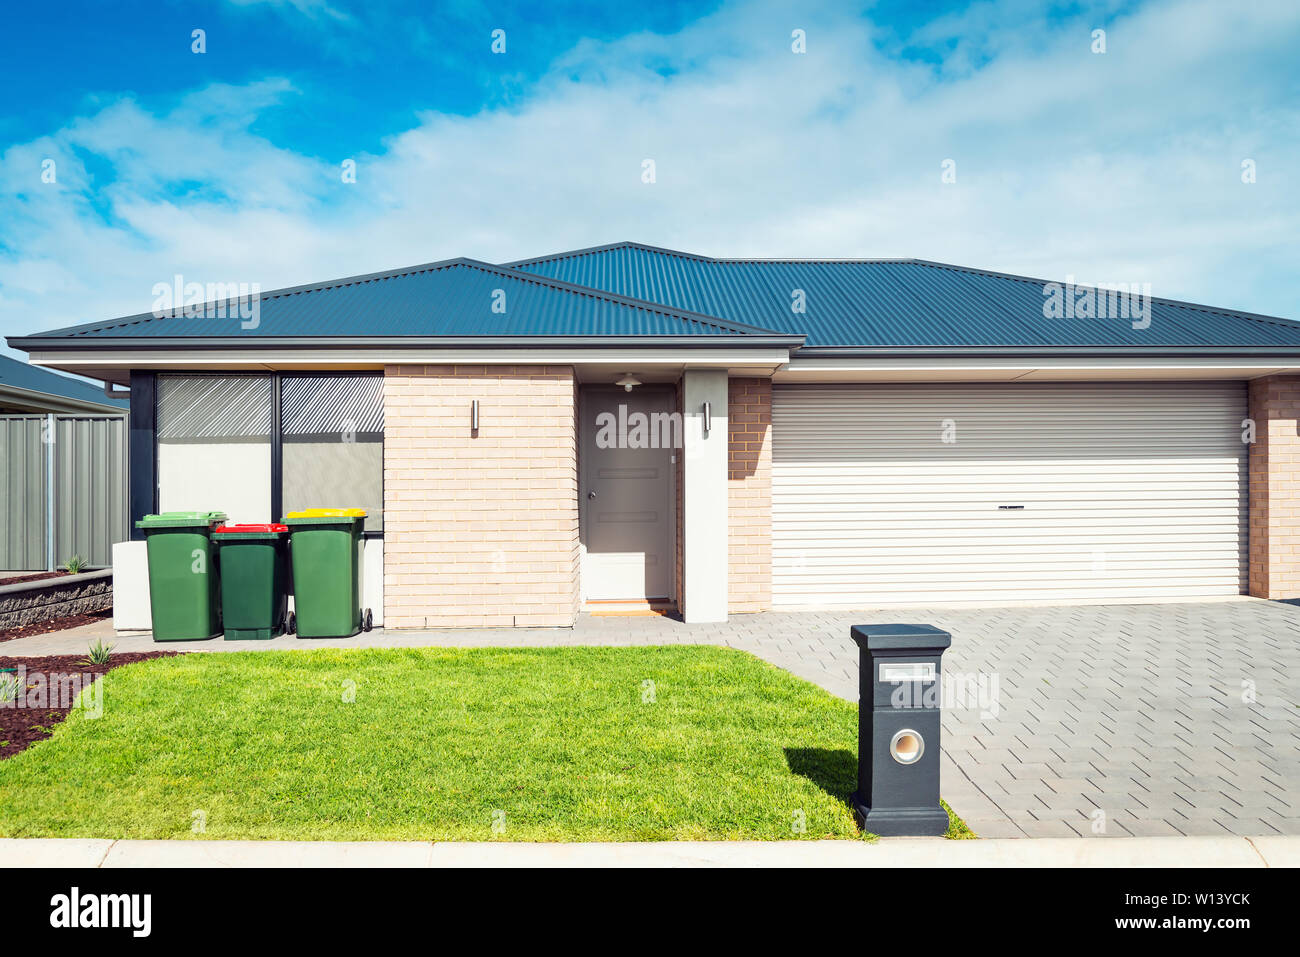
{"points": [[457, 300], [630, 290], [20, 375], [892, 302]]}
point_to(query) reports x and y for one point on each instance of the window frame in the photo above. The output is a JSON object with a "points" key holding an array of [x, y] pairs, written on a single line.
{"points": [[277, 425]]}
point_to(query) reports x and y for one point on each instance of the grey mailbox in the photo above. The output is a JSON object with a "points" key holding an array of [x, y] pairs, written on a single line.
{"points": [[898, 729]]}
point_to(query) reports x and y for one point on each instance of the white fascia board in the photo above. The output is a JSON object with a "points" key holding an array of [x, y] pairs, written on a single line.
{"points": [[376, 358], [1037, 368]]}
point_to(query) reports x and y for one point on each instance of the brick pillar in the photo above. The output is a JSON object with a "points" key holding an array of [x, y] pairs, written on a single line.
{"points": [[480, 530], [749, 494], [1274, 486]]}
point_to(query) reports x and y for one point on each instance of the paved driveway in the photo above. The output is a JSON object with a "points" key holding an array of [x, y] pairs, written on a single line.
{"points": [[1068, 720], [1097, 720]]}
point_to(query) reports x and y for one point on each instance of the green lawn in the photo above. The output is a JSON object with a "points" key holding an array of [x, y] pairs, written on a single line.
{"points": [[553, 744]]}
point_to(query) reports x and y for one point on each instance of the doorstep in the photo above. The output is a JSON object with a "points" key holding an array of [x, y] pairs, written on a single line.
{"points": [[630, 608]]}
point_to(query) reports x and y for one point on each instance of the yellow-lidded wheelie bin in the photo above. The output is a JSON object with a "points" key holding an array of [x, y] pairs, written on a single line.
{"points": [[324, 552]]}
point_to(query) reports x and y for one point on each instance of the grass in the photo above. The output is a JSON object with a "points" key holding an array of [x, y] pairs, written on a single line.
{"points": [[549, 744]]}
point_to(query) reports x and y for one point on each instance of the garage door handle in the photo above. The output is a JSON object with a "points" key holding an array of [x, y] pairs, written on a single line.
{"points": [[1009, 507]]}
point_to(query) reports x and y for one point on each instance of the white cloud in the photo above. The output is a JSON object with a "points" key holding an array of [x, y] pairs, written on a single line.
{"points": [[1118, 167], [313, 9]]}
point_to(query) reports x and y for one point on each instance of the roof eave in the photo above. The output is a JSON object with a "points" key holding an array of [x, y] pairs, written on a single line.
{"points": [[973, 352], [138, 343], [58, 403]]}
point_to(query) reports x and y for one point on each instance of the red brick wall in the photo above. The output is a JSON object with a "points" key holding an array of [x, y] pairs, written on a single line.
{"points": [[480, 531], [749, 494], [1274, 492]]}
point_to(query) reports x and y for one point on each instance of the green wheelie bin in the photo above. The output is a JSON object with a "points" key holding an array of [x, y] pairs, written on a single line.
{"points": [[254, 585], [184, 578], [324, 551]]}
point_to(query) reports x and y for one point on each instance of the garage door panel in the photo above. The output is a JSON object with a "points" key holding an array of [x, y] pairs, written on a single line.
{"points": [[830, 553], [1137, 513], [1127, 491], [1110, 592]]}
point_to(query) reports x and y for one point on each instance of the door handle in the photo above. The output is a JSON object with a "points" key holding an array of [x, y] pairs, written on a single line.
{"points": [[591, 495]]}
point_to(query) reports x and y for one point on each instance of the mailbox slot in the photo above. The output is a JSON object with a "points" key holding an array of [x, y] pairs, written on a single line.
{"points": [[896, 671]]}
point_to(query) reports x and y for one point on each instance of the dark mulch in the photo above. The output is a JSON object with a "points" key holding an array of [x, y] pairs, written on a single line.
{"points": [[52, 624], [34, 577], [20, 728]]}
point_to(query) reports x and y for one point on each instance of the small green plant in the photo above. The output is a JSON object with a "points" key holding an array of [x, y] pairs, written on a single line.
{"points": [[98, 653], [10, 686], [74, 564]]}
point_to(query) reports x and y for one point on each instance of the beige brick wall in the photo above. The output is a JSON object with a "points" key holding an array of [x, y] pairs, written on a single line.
{"points": [[480, 531], [1274, 488], [679, 507], [749, 494]]}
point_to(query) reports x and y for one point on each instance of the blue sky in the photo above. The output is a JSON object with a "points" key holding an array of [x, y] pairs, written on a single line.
{"points": [[1123, 166]]}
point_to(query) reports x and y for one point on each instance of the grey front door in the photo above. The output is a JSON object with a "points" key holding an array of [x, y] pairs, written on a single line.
{"points": [[626, 492]]}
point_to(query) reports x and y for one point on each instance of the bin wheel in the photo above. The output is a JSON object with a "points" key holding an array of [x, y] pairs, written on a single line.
{"points": [[292, 627], [369, 621]]}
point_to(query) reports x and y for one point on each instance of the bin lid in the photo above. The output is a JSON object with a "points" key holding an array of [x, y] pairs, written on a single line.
{"points": [[180, 519], [329, 513], [265, 528]]}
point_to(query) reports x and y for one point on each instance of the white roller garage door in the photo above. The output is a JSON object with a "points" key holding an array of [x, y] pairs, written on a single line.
{"points": [[1042, 492]]}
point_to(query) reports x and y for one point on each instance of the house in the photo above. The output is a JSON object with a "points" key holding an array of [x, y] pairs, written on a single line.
{"points": [[628, 423], [30, 390]]}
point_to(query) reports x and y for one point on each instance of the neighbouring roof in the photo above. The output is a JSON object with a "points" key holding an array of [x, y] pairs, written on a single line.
{"points": [[31, 386], [891, 302], [459, 298]]}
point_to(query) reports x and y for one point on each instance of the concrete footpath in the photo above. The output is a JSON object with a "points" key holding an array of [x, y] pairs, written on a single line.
{"points": [[889, 852]]}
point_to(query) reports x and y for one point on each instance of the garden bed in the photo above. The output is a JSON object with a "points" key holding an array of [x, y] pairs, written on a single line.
{"points": [[33, 577], [21, 727], [57, 596], [52, 624]]}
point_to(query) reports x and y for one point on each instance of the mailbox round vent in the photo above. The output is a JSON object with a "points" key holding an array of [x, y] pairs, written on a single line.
{"points": [[907, 746]]}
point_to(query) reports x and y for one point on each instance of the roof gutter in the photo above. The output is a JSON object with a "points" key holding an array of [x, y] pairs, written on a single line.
{"points": [[1031, 352], [200, 343]]}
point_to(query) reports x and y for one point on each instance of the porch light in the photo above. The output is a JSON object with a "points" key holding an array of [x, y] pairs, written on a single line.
{"points": [[628, 381], [707, 420], [473, 416]]}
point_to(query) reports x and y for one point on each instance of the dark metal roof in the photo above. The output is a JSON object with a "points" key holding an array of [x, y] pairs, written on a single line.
{"points": [[454, 299], [629, 293], [893, 302], [29, 378]]}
